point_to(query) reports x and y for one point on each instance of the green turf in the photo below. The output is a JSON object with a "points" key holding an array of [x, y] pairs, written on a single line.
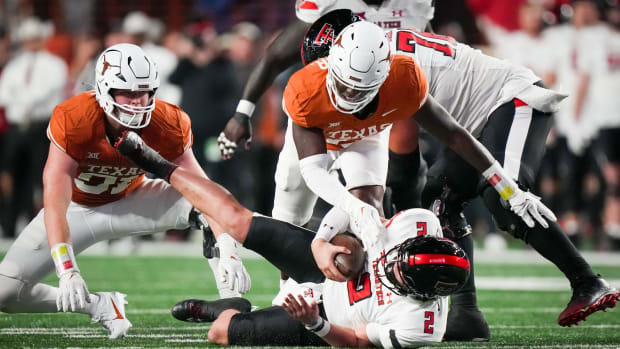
{"points": [[153, 285]]}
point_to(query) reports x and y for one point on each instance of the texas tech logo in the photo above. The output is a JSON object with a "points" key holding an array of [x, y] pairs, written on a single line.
{"points": [[326, 35]]}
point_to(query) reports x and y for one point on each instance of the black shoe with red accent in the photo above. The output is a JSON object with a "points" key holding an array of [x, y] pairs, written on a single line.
{"points": [[589, 295], [196, 310], [466, 324]]}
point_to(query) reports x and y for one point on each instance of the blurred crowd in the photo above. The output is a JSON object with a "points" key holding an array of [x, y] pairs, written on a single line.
{"points": [[205, 51]]}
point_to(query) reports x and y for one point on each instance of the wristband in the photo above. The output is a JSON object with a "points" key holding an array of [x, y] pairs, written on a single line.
{"points": [[246, 107], [320, 327], [64, 259], [505, 186], [335, 221]]}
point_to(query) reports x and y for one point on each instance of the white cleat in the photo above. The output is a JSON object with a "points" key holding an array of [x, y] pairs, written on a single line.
{"points": [[110, 312]]}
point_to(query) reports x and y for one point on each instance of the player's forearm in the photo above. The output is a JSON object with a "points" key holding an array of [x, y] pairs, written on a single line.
{"points": [[314, 171], [214, 201], [343, 337], [282, 52], [56, 198]]}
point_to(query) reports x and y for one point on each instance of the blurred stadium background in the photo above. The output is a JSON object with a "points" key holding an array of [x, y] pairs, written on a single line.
{"points": [[206, 49]]}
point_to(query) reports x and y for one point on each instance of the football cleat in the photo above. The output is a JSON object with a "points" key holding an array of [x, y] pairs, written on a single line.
{"points": [[110, 311], [589, 295], [466, 324], [196, 310]]}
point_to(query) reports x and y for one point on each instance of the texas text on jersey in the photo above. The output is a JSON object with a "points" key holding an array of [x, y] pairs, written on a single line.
{"points": [[307, 103], [77, 127]]}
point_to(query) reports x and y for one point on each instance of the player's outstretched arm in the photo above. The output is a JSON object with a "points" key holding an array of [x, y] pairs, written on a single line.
{"points": [[210, 198], [436, 120], [281, 53], [58, 176]]}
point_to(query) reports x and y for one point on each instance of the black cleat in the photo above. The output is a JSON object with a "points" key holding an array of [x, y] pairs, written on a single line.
{"points": [[589, 295], [196, 310], [466, 324]]}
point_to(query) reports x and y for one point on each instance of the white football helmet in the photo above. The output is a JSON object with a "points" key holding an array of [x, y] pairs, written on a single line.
{"points": [[358, 63], [126, 67]]}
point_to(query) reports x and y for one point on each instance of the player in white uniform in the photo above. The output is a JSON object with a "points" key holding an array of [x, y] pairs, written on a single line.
{"points": [[374, 310], [509, 111]]}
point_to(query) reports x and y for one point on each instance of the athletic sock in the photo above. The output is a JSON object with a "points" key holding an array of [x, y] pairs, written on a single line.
{"points": [[466, 295], [555, 246], [405, 180]]}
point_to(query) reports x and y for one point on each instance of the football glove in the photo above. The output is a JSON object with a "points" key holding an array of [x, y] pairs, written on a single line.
{"points": [[529, 207], [524, 204], [230, 268], [72, 291], [238, 130], [365, 222]]}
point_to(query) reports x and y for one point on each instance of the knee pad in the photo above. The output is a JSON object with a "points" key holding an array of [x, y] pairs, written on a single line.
{"points": [[270, 326], [504, 218]]}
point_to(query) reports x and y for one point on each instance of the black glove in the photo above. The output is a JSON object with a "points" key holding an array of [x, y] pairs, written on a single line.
{"points": [[130, 145]]}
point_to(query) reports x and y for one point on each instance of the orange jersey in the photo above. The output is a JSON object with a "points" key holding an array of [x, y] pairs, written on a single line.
{"points": [[306, 101], [77, 127]]}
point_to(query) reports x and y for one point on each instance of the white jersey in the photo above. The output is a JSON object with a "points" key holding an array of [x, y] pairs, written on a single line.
{"points": [[468, 83], [390, 14], [391, 320]]}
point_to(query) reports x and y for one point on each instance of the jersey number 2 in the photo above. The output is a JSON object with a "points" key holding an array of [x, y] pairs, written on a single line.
{"points": [[429, 322], [406, 41], [359, 289]]}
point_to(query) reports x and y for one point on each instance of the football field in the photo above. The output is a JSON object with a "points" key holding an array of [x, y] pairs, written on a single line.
{"points": [[520, 301]]}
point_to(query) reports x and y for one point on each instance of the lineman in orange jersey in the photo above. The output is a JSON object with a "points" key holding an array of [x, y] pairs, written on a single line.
{"points": [[341, 108], [92, 193]]}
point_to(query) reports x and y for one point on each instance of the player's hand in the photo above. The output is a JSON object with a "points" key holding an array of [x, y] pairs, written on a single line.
{"points": [[324, 254], [238, 130], [72, 292], [300, 310], [366, 224], [529, 207], [230, 268]]}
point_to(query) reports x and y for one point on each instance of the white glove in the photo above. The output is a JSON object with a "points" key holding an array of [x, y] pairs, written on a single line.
{"points": [[230, 268], [365, 222], [72, 292], [227, 147], [529, 207], [524, 204]]}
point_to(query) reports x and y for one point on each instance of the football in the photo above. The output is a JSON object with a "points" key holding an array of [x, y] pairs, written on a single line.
{"points": [[350, 265]]}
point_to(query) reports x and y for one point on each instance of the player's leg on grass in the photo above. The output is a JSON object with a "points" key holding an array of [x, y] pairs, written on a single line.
{"points": [[516, 135], [453, 182]]}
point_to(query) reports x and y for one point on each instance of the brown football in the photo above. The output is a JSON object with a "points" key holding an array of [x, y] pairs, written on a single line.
{"points": [[350, 265]]}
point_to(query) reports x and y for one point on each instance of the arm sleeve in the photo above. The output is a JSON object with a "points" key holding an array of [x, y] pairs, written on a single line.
{"points": [[314, 171], [56, 131]]}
